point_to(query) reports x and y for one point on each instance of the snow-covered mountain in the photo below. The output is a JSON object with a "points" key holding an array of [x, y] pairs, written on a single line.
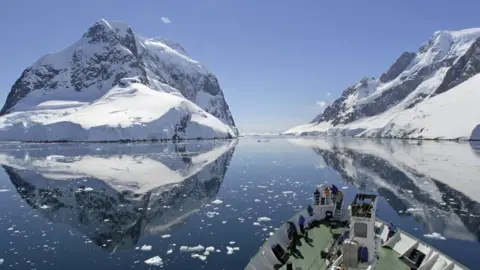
{"points": [[429, 94], [117, 194], [114, 84], [413, 178]]}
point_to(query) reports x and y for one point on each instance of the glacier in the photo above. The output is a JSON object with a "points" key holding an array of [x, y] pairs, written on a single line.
{"points": [[112, 85], [430, 94]]}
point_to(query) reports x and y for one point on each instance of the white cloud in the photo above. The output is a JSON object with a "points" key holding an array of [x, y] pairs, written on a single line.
{"points": [[165, 20], [322, 104]]}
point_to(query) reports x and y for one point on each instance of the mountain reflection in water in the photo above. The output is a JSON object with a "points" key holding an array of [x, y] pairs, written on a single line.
{"points": [[116, 194], [437, 183]]}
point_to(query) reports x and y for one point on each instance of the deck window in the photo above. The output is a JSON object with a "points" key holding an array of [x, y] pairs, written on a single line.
{"points": [[360, 230]]}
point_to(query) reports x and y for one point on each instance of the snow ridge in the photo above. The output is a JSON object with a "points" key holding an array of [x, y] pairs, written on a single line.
{"points": [[406, 101]]}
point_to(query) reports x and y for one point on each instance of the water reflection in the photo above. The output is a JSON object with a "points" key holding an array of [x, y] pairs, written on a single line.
{"points": [[437, 183], [117, 194]]}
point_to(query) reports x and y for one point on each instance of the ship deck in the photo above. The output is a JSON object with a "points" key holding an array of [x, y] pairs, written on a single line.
{"points": [[320, 237]]}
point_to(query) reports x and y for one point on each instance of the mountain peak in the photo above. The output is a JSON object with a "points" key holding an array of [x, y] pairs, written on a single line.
{"points": [[396, 105], [103, 29], [101, 64]]}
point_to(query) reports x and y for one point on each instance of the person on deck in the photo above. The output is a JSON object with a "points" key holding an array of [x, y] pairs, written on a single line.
{"points": [[316, 195], [392, 229], [339, 200], [334, 189], [310, 210], [301, 224], [292, 236]]}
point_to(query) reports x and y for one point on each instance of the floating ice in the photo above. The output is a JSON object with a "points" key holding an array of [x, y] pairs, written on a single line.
{"points": [[411, 210], [223, 222], [201, 257], [228, 205], [210, 249], [1, 261], [287, 192], [434, 235], [257, 200], [262, 186], [154, 261], [43, 206], [270, 233], [191, 249], [345, 187], [260, 219], [211, 214], [165, 236], [230, 250], [231, 242], [146, 248], [256, 223], [88, 189], [4, 190], [217, 201], [170, 251]]}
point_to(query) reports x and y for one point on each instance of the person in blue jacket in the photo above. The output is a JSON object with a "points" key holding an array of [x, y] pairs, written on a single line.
{"points": [[392, 229], [334, 189], [301, 224]]}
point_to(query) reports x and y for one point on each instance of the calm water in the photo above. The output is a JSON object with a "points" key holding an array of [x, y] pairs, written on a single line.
{"points": [[92, 206]]}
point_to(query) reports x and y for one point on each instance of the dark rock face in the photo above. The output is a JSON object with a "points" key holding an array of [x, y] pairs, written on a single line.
{"points": [[332, 112], [398, 67], [117, 55], [466, 67]]}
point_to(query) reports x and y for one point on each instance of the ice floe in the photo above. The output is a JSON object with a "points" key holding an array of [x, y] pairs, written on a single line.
{"points": [[412, 210], [165, 236], [154, 261], [260, 219], [217, 201], [201, 257], [230, 250], [434, 235], [146, 248], [192, 249], [211, 214]]}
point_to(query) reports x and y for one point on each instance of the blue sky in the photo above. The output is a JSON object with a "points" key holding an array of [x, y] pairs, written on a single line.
{"points": [[276, 60]]}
